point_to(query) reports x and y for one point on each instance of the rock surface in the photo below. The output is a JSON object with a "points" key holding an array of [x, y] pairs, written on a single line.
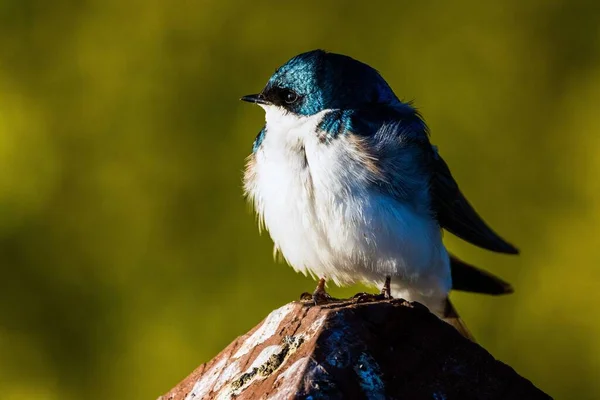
{"points": [[381, 350]]}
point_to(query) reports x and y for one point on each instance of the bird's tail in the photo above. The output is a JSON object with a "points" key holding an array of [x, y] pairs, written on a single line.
{"points": [[468, 278], [452, 317]]}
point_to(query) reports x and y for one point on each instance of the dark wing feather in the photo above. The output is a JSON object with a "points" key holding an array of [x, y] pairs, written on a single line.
{"points": [[452, 318], [468, 278], [456, 215]]}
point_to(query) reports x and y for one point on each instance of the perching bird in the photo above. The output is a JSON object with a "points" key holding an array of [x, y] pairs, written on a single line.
{"points": [[345, 180]]}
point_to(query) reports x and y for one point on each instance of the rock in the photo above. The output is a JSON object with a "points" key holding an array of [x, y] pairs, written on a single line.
{"points": [[380, 350]]}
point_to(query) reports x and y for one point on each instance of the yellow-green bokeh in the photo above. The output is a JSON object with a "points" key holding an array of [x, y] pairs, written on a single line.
{"points": [[128, 255]]}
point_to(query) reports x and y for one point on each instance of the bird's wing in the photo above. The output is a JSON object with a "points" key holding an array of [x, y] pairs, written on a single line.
{"points": [[467, 278], [410, 168], [455, 213]]}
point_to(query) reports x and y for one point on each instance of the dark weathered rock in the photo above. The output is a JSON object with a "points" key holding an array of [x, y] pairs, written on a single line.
{"points": [[383, 350]]}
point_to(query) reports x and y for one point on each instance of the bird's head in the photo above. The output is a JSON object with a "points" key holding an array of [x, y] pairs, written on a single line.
{"points": [[317, 80]]}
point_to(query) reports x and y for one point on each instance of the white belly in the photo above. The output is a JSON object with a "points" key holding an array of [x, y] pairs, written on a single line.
{"points": [[327, 220]]}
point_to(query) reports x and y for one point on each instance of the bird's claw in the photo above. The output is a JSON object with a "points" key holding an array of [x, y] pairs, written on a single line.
{"points": [[319, 296], [306, 296], [370, 297]]}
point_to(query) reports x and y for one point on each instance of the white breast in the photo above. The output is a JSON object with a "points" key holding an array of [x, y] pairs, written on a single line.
{"points": [[326, 219]]}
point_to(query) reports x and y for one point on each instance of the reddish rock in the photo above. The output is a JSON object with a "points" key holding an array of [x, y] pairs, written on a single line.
{"points": [[382, 350]]}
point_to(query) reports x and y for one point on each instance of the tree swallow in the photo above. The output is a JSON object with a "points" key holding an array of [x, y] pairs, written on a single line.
{"points": [[345, 180]]}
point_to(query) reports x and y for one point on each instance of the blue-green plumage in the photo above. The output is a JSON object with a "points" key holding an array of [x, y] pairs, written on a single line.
{"points": [[329, 81], [259, 138]]}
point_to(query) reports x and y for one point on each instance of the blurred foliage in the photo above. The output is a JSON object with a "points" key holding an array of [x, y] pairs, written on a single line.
{"points": [[128, 253]]}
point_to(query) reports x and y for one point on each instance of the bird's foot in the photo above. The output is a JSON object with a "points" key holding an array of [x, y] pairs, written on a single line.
{"points": [[319, 296], [365, 297], [370, 297]]}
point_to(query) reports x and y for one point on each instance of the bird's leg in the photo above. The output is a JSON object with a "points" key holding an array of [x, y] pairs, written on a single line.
{"points": [[385, 290], [385, 293], [320, 295]]}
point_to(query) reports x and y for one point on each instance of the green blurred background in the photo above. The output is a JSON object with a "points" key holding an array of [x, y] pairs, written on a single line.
{"points": [[128, 254]]}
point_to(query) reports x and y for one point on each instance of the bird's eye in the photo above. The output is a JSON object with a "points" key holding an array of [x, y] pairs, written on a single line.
{"points": [[290, 97]]}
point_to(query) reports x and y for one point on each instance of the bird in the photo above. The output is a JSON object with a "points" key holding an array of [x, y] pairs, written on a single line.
{"points": [[345, 179]]}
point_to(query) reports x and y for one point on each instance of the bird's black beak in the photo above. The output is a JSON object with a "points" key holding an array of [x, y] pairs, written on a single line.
{"points": [[256, 98]]}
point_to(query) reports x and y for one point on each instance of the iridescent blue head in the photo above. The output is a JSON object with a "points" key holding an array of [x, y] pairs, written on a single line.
{"points": [[315, 81]]}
